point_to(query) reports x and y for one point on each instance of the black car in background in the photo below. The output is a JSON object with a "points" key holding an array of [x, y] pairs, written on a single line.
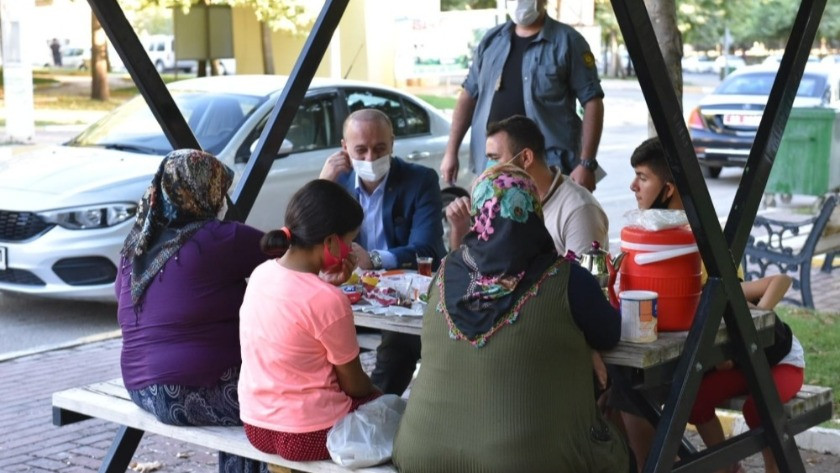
{"points": [[723, 126]]}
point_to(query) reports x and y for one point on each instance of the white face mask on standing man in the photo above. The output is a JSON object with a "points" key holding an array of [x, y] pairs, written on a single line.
{"points": [[523, 12]]}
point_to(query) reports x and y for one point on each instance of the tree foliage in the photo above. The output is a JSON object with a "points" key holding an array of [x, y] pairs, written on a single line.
{"points": [[605, 18], [764, 21], [703, 22], [292, 16], [446, 5]]}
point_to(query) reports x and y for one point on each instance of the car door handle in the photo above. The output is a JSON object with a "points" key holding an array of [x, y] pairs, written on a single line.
{"points": [[418, 155]]}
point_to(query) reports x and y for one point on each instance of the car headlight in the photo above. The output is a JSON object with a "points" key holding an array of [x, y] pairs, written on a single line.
{"points": [[85, 218]]}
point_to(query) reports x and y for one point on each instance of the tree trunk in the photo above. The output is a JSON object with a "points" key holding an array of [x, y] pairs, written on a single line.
{"points": [[201, 71], [616, 67], [267, 49], [663, 16], [99, 89]]}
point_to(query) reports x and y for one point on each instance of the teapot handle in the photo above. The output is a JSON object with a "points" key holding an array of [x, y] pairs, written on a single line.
{"points": [[613, 273]]}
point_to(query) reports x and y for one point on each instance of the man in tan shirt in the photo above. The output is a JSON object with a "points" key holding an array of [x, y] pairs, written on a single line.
{"points": [[573, 216]]}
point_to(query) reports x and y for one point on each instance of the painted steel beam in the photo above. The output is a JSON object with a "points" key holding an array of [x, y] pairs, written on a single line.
{"points": [[284, 111], [143, 72], [772, 126], [722, 295]]}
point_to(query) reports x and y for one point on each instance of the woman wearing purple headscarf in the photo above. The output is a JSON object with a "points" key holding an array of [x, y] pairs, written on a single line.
{"points": [[180, 284]]}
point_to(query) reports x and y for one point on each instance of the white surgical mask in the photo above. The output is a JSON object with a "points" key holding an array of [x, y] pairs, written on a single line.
{"points": [[523, 12], [372, 171]]}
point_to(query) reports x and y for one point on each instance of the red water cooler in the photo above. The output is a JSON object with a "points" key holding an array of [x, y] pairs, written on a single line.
{"points": [[667, 262]]}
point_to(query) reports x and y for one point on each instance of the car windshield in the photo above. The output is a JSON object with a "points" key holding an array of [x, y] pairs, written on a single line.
{"points": [[213, 118], [759, 83]]}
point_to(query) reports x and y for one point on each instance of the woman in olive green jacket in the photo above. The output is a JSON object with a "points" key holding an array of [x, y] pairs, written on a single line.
{"points": [[506, 378]]}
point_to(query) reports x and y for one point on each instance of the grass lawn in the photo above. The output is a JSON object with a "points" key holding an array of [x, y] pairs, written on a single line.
{"points": [[819, 333], [80, 102], [439, 101], [51, 93]]}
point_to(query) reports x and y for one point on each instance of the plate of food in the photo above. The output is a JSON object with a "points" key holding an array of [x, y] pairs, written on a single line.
{"points": [[400, 292]]}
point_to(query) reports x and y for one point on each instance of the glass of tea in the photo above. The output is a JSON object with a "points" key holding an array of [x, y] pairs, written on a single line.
{"points": [[424, 265]]}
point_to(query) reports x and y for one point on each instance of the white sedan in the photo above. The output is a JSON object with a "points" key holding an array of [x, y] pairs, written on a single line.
{"points": [[65, 210]]}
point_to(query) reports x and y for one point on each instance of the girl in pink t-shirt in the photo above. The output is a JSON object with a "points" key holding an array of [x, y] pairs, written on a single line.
{"points": [[300, 358]]}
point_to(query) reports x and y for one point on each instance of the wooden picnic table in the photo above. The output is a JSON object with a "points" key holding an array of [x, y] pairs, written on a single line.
{"points": [[666, 349], [639, 365]]}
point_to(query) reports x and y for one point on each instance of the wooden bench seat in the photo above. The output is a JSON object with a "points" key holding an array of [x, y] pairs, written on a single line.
{"points": [[789, 242], [808, 399], [109, 401]]}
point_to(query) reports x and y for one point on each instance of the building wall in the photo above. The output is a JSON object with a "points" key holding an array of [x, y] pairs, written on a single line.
{"points": [[373, 40], [65, 20], [363, 45]]}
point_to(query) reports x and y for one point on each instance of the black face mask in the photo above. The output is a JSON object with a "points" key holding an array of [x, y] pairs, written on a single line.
{"points": [[661, 202]]}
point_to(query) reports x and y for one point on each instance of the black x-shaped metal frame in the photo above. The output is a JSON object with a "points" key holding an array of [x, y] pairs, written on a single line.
{"points": [[175, 127], [722, 296]]}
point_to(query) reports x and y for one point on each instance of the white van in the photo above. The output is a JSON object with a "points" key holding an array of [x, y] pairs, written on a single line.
{"points": [[161, 49], [75, 57]]}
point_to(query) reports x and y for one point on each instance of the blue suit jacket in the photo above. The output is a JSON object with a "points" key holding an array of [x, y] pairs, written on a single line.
{"points": [[411, 212]]}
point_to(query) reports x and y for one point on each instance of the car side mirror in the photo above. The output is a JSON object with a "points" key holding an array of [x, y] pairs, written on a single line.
{"points": [[285, 148]]}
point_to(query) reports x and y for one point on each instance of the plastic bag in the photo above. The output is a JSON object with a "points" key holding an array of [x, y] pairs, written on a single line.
{"points": [[655, 219], [365, 437]]}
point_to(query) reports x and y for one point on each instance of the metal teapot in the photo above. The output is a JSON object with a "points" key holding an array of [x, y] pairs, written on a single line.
{"points": [[599, 263]]}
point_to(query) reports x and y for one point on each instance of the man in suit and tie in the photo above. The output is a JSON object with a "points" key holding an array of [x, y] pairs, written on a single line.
{"points": [[402, 204]]}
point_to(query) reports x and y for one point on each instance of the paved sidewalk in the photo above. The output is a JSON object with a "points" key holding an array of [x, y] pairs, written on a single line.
{"points": [[30, 443]]}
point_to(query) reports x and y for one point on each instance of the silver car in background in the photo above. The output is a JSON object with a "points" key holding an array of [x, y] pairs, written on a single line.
{"points": [[65, 210]]}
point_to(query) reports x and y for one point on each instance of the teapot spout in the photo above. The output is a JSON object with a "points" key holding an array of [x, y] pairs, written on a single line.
{"points": [[615, 263]]}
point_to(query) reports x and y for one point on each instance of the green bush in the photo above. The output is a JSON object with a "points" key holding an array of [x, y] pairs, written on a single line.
{"points": [[819, 333]]}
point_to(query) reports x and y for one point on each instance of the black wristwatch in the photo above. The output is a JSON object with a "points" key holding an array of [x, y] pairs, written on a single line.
{"points": [[590, 164], [375, 259]]}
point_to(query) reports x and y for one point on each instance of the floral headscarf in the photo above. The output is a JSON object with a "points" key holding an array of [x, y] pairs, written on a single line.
{"points": [[189, 188], [506, 253]]}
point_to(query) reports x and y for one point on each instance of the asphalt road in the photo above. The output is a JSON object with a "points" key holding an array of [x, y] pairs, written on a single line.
{"points": [[30, 324]]}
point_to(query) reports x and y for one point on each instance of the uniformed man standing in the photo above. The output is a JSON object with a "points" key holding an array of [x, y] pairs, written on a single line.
{"points": [[535, 66]]}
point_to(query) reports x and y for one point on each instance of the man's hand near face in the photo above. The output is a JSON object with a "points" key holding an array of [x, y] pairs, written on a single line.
{"points": [[336, 165], [458, 216]]}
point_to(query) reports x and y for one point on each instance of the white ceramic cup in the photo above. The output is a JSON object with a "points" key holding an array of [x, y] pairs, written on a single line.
{"points": [[638, 316]]}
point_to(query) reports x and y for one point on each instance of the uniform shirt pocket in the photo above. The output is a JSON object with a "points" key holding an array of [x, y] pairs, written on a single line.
{"points": [[550, 82]]}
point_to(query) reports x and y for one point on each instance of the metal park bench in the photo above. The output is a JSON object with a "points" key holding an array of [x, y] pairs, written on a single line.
{"points": [[790, 243]]}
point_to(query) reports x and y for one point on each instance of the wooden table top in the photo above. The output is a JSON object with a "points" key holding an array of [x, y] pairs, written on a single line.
{"points": [[667, 346]]}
